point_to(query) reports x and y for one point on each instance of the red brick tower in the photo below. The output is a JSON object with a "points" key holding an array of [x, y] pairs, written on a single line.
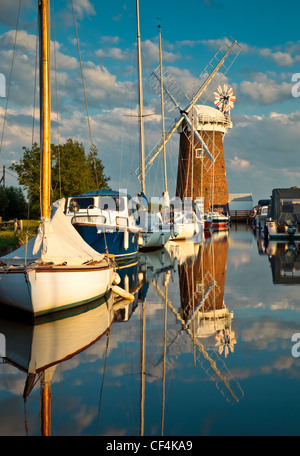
{"points": [[198, 175]]}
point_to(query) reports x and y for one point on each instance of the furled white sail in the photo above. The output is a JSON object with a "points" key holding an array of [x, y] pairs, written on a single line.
{"points": [[57, 242]]}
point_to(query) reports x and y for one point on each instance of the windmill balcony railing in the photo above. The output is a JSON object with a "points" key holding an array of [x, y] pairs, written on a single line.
{"points": [[205, 119]]}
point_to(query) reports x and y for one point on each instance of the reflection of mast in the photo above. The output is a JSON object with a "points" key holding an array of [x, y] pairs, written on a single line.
{"points": [[143, 362], [46, 382], [166, 283]]}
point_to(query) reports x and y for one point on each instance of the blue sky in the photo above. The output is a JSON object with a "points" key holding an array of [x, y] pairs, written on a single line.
{"points": [[262, 148]]}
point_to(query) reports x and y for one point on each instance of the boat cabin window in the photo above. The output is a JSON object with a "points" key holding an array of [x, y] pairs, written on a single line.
{"points": [[112, 203], [80, 203], [133, 207], [290, 206]]}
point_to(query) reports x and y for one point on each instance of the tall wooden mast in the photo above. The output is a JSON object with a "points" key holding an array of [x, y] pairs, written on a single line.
{"points": [[141, 108], [45, 105]]}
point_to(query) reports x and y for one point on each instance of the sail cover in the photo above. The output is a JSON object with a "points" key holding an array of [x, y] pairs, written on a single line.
{"points": [[57, 242]]}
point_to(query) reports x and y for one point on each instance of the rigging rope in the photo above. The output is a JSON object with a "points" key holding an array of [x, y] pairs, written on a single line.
{"points": [[10, 75], [32, 132], [56, 98], [85, 97], [102, 382]]}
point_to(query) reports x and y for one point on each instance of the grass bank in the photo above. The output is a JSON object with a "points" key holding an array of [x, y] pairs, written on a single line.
{"points": [[10, 240]]}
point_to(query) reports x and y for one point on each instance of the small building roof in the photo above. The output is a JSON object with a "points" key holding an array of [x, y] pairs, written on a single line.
{"points": [[240, 197]]}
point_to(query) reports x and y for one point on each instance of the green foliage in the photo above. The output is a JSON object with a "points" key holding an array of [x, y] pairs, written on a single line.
{"points": [[12, 203], [72, 172]]}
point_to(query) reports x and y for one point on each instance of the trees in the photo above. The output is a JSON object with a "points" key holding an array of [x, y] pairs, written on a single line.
{"points": [[72, 172], [12, 203]]}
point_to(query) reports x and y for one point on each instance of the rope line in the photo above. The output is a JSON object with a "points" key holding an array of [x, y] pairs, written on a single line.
{"points": [[85, 97], [10, 76]]}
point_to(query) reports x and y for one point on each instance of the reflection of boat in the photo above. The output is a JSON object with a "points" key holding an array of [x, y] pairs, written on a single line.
{"points": [[56, 269], [185, 252], [106, 221], [207, 222], [131, 281], [37, 349], [283, 220], [284, 259], [155, 262]]}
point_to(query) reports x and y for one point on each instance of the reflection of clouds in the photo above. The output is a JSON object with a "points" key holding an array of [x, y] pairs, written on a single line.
{"points": [[261, 334], [12, 418], [285, 303], [12, 380], [237, 261], [279, 366]]}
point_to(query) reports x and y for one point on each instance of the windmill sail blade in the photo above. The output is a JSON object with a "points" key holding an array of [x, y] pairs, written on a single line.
{"points": [[174, 97], [159, 146], [204, 87], [214, 72]]}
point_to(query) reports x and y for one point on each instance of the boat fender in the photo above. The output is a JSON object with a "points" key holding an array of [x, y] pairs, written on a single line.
{"points": [[116, 279], [124, 294]]}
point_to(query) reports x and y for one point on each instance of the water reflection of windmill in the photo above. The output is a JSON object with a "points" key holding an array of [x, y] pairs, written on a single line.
{"points": [[204, 316], [202, 127]]}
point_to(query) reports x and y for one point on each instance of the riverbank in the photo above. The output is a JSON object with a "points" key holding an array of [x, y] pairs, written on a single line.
{"points": [[10, 240]]}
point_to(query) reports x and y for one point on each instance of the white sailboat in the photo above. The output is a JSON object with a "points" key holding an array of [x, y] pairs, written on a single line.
{"points": [[56, 269], [155, 234]]}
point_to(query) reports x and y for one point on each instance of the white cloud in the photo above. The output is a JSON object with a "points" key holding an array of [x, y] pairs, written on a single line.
{"points": [[114, 53], [84, 7], [265, 90], [238, 164], [110, 39], [25, 41], [281, 58]]}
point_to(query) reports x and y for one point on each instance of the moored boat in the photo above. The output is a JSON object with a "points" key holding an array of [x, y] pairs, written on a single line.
{"points": [[107, 221], [219, 221], [56, 269], [283, 220]]}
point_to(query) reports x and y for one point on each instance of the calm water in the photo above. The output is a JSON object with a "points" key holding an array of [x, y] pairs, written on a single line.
{"points": [[205, 349]]}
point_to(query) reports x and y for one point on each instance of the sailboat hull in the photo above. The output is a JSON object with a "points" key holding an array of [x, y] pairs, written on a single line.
{"points": [[44, 289], [114, 242], [155, 240], [184, 230]]}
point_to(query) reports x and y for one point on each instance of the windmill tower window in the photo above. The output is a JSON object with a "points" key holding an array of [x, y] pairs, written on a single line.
{"points": [[200, 153]]}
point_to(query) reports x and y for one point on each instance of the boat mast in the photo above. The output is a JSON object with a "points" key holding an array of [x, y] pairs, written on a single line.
{"points": [[140, 93], [45, 102], [166, 193]]}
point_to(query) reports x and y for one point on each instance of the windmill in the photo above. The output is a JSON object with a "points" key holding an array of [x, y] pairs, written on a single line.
{"points": [[193, 122]]}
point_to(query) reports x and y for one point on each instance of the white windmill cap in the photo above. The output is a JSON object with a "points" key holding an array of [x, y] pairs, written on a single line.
{"points": [[211, 118]]}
